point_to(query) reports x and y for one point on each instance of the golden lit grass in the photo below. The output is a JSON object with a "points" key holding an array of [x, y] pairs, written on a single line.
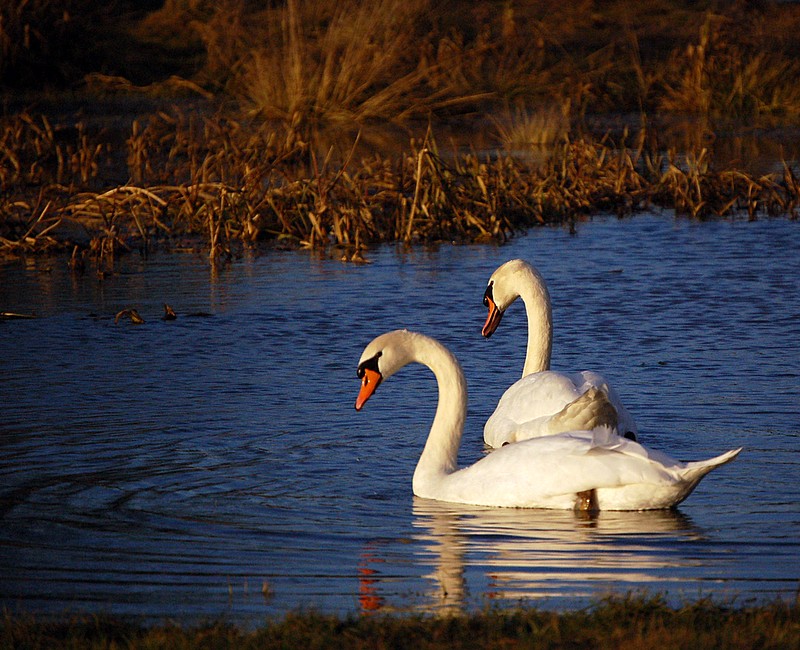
{"points": [[393, 60], [522, 128], [315, 61], [719, 78], [222, 185], [233, 182], [614, 623]]}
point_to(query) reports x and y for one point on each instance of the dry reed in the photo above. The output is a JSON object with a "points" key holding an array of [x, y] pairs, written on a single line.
{"points": [[720, 76], [223, 185]]}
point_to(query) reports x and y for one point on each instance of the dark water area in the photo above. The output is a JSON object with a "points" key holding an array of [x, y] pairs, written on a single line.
{"points": [[214, 465]]}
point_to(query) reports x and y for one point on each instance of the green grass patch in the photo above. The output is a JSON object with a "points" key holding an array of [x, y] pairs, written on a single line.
{"points": [[614, 623]]}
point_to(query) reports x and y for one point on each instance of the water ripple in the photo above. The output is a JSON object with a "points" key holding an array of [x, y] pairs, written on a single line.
{"points": [[215, 465]]}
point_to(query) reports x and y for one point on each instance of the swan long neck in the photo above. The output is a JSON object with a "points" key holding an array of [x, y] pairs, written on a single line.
{"points": [[440, 455], [534, 294]]}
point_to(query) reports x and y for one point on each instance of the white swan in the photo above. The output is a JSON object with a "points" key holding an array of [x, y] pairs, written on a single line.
{"points": [[543, 402], [587, 470]]}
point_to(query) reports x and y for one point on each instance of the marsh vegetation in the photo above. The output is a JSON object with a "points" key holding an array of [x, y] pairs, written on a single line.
{"points": [[216, 126]]}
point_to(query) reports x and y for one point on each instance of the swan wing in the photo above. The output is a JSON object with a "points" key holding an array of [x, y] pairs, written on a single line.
{"points": [[551, 471], [525, 409], [549, 402], [587, 379]]}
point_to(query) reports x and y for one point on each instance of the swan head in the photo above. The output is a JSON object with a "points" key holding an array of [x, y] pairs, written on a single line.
{"points": [[383, 357], [503, 289]]}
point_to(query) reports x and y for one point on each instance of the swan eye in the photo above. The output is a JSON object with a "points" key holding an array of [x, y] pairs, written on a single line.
{"points": [[370, 376], [487, 295], [369, 364]]}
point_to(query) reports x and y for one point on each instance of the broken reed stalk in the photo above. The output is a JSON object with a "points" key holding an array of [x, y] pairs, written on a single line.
{"points": [[38, 220], [415, 201]]}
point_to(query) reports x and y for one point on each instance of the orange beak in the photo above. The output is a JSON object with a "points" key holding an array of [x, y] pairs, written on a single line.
{"points": [[369, 382], [492, 319]]}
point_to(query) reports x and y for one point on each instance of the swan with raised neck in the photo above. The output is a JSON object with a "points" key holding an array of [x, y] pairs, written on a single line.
{"points": [[543, 402], [587, 470], [518, 279]]}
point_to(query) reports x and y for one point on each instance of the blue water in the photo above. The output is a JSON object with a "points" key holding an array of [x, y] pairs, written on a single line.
{"points": [[214, 465]]}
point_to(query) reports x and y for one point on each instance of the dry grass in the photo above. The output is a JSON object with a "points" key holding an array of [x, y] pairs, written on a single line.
{"points": [[316, 62], [221, 185], [523, 128], [259, 173], [720, 78]]}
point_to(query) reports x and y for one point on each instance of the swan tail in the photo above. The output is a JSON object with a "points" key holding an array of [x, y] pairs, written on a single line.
{"points": [[696, 470], [591, 410]]}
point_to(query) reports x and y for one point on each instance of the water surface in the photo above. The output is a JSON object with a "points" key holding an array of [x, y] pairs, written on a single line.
{"points": [[214, 465]]}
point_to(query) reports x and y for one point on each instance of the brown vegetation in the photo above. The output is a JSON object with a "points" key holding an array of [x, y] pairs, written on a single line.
{"points": [[222, 185], [392, 59], [245, 162]]}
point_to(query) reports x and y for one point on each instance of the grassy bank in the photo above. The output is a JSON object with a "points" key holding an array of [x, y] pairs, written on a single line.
{"points": [[622, 623]]}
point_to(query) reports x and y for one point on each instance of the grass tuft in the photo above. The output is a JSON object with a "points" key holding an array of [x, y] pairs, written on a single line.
{"points": [[631, 622]]}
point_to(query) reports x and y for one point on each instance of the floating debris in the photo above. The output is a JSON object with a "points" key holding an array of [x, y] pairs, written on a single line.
{"points": [[10, 315], [169, 313], [136, 319], [355, 258]]}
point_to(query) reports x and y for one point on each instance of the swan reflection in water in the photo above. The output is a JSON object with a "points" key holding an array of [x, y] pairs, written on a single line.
{"points": [[515, 555]]}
